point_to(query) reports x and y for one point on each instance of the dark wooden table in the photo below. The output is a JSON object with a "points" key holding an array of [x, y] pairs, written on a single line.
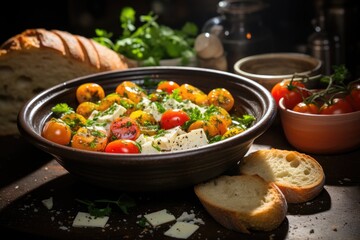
{"points": [[29, 175]]}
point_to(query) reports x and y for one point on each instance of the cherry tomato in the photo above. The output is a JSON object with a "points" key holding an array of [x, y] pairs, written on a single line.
{"points": [[74, 120], [167, 86], [86, 108], [220, 123], [125, 128], [194, 94], [89, 92], [143, 118], [233, 131], [354, 97], [130, 90], [172, 118], [89, 139], [108, 101], [338, 106], [122, 146], [57, 131], [306, 108], [292, 94], [222, 98], [209, 128]]}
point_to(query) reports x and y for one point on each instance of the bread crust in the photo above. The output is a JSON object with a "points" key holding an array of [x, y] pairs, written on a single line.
{"points": [[37, 59], [71, 45], [299, 176], [227, 200]]}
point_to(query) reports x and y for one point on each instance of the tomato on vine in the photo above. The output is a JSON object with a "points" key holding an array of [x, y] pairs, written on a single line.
{"points": [[306, 108], [336, 106], [354, 96], [293, 92]]}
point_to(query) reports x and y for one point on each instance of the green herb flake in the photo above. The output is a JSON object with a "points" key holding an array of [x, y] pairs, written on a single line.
{"points": [[102, 207], [61, 108]]}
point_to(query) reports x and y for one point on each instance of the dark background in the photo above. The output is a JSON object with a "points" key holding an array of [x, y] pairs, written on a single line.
{"points": [[289, 20]]}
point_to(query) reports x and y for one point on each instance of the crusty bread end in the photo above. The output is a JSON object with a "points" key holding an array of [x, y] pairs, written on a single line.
{"points": [[299, 176], [243, 203], [37, 59]]}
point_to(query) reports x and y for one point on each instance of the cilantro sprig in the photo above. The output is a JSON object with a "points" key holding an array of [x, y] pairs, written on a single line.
{"points": [[149, 42]]}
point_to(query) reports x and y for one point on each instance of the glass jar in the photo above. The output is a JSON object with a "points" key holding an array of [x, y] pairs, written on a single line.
{"points": [[240, 29]]}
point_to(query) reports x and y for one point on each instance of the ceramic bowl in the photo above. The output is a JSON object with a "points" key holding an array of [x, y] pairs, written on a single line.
{"points": [[320, 133], [269, 69], [152, 172]]}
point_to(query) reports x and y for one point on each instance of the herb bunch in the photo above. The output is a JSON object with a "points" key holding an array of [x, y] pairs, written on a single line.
{"points": [[150, 42]]}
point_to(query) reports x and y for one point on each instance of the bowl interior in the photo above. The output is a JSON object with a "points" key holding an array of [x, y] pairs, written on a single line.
{"points": [[156, 171], [275, 65]]}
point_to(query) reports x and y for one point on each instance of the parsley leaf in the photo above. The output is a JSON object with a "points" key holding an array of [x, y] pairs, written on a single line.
{"points": [[61, 108], [149, 42]]}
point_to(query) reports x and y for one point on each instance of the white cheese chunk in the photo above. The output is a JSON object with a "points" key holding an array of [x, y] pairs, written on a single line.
{"points": [[142, 139], [194, 139], [162, 143], [103, 119], [149, 148], [181, 230], [83, 219], [154, 111], [48, 203], [165, 142], [108, 115], [159, 217]]}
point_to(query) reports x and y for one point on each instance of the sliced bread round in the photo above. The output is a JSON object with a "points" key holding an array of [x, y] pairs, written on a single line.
{"points": [[299, 176], [243, 203]]}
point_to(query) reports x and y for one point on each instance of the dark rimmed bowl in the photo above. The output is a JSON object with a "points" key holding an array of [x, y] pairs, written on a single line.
{"points": [[151, 172]]}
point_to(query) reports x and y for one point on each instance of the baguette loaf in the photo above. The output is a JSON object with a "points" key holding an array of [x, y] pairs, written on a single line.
{"points": [[299, 176], [243, 203], [37, 59]]}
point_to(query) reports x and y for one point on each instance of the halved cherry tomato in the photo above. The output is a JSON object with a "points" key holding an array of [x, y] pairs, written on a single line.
{"points": [[292, 94], [222, 98], [89, 92], [172, 118], [125, 128], [167, 86], [122, 146], [338, 106], [90, 139], [57, 131], [306, 108]]}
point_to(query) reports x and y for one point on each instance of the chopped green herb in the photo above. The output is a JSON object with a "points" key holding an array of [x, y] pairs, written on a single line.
{"points": [[100, 208]]}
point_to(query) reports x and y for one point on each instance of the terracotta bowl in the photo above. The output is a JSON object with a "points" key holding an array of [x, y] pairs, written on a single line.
{"points": [[321, 134], [269, 69], [152, 172]]}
